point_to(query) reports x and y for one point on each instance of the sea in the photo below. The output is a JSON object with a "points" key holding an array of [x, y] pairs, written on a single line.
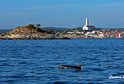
{"points": [[39, 61]]}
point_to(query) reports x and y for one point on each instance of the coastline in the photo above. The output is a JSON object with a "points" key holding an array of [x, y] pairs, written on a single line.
{"points": [[34, 38], [33, 32]]}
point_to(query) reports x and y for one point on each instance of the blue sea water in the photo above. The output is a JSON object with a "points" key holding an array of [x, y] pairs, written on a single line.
{"points": [[38, 61]]}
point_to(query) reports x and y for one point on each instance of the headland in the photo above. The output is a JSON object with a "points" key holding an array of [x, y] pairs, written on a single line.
{"points": [[35, 32], [30, 32]]}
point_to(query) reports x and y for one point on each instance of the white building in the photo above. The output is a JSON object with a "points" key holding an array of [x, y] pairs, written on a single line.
{"points": [[87, 26]]}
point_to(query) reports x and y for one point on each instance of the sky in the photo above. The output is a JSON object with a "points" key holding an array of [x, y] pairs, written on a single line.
{"points": [[61, 13]]}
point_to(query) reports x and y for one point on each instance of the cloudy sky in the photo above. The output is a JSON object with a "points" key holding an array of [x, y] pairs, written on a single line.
{"points": [[61, 13]]}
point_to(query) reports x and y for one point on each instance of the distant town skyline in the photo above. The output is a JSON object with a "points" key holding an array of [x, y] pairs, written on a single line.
{"points": [[61, 13]]}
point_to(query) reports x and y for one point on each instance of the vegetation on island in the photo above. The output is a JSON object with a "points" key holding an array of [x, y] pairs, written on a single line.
{"points": [[30, 31], [35, 31]]}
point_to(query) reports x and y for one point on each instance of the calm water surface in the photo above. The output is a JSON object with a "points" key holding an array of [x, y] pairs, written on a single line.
{"points": [[37, 61]]}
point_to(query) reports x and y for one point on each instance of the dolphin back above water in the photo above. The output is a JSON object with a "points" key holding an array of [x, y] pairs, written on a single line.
{"points": [[71, 66]]}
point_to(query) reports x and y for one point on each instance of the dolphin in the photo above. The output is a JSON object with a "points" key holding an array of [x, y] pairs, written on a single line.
{"points": [[71, 66]]}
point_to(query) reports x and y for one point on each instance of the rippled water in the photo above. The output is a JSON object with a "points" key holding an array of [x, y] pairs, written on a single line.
{"points": [[37, 61]]}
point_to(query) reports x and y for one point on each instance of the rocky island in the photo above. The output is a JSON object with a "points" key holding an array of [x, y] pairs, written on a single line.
{"points": [[35, 32], [30, 32]]}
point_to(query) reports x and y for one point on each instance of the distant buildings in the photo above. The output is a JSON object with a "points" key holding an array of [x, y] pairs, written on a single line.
{"points": [[87, 26]]}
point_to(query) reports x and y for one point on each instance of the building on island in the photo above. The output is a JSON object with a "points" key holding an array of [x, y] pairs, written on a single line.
{"points": [[87, 26]]}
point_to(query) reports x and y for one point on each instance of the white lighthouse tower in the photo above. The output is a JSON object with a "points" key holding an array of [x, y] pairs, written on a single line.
{"points": [[87, 26], [87, 21]]}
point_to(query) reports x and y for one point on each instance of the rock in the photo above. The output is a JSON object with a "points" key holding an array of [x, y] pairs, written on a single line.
{"points": [[30, 32]]}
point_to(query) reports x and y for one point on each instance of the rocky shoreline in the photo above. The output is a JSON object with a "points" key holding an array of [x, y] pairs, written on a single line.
{"points": [[30, 32], [33, 32], [32, 38]]}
